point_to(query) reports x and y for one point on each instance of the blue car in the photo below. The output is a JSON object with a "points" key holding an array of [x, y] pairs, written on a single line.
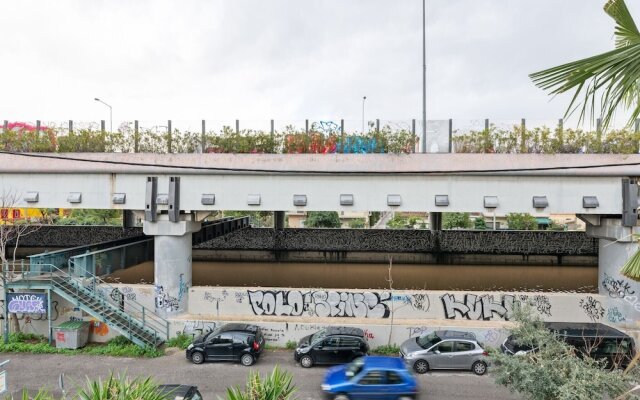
{"points": [[370, 378]]}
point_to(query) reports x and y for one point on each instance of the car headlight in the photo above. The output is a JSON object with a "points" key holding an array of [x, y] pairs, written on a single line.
{"points": [[190, 346], [325, 387]]}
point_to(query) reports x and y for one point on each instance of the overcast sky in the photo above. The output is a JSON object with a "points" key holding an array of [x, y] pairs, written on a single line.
{"points": [[288, 59]]}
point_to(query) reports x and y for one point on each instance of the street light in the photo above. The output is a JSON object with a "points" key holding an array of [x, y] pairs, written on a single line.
{"points": [[423, 146], [363, 99], [110, 113]]}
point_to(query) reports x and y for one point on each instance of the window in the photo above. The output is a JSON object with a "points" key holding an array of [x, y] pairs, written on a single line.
{"points": [[464, 346], [4, 213], [393, 378], [16, 214], [196, 396], [331, 342], [373, 378], [445, 347], [224, 338], [239, 339], [349, 343], [429, 340]]}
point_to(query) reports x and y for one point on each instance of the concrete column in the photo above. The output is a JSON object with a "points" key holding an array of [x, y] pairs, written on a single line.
{"points": [[172, 262], [128, 219], [278, 220], [615, 246], [435, 221]]}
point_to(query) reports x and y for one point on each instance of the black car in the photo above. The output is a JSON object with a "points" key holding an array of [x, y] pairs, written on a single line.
{"points": [[180, 392], [598, 341], [333, 345], [230, 342]]}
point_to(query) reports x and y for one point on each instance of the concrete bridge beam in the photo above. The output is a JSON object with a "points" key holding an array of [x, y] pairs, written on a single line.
{"points": [[172, 261]]}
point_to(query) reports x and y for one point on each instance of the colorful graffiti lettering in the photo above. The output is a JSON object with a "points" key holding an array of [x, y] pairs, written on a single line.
{"points": [[475, 307], [615, 316], [319, 303]]}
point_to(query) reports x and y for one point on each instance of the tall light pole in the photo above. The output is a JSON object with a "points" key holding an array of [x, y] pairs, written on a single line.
{"points": [[363, 99], [110, 113], [423, 145]]}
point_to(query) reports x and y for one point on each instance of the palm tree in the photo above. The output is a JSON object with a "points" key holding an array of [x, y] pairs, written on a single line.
{"points": [[609, 80]]}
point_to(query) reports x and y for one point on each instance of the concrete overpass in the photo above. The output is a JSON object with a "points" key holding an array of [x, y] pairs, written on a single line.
{"points": [[176, 191], [336, 182]]}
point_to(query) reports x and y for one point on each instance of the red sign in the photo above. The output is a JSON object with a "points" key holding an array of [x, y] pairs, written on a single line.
{"points": [[60, 337]]}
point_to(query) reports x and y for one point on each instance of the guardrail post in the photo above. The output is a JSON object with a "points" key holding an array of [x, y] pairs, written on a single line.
{"points": [[130, 335], [70, 126], [237, 127], [143, 324]]}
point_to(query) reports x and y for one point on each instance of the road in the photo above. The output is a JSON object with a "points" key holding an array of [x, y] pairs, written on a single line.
{"points": [[34, 371]]}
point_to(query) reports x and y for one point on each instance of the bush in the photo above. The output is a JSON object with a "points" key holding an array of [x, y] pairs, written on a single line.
{"points": [[121, 388], [291, 344], [387, 350], [276, 386], [180, 341]]}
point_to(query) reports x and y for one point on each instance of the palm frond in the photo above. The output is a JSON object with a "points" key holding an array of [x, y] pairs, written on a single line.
{"points": [[610, 80], [631, 268]]}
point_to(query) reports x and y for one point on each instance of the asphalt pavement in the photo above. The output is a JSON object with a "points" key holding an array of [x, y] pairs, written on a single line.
{"points": [[34, 371]]}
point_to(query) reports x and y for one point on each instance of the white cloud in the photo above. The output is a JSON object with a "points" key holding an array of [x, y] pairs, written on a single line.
{"points": [[289, 60]]}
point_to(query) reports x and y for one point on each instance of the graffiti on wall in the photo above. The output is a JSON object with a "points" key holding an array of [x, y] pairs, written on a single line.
{"points": [[319, 303], [615, 316], [196, 328], [617, 288], [538, 302], [592, 307], [419, 301], [27, 303], [183, 286], [474, 307], [165, 302]]}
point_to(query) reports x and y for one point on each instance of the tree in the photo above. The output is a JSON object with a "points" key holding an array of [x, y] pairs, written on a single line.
{"points": [[522, 222], [258, 219], [399, 222], [554, 371], [479, 223], [456, 220], [357, 223], [610, 80], [11, 230], [322, 219]]}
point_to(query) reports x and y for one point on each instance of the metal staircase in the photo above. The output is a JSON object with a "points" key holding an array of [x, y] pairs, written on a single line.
{"points": [[104, 302]]}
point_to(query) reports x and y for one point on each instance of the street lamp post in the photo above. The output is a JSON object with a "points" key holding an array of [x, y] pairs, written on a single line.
{"points": [[423, 146], [110, 113], [363, 99]]}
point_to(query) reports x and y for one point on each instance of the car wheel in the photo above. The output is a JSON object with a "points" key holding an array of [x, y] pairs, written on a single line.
{"points": [[306, 361], [341, 396], [197, 357], [247, 360], [421, 366], [479, 368]]}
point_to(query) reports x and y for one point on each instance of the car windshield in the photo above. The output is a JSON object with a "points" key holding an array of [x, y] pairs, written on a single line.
{"points": [[212, 334], [318, 335], [428, 340], [354, 368]]}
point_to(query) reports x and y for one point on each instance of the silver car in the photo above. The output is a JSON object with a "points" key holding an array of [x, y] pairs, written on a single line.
{"points": [[445, 350]]}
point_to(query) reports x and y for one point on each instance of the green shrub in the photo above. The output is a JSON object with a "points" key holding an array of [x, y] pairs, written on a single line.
{"points": [[276, 386], [387, 350], [180, 341], [291, 344], [121, 388]]}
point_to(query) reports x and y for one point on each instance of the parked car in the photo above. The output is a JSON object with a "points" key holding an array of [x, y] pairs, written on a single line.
{"points": [[598, 341], [230, 342], [369, 378], [333, 345], [445, 350], [181, 392]]}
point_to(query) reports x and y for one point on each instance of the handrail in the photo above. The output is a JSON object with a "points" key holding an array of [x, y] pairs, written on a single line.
{"points": [[155, 318], [150, 320], [78, 257]]}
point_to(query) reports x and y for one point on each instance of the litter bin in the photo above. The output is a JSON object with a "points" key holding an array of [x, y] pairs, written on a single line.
{"points": [[71, 334]]}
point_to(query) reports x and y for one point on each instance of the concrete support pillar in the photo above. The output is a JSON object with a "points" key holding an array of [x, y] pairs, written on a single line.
{"points": [[435, 221], [128, 219], [172, 262], [615, 246], [278, 220]]}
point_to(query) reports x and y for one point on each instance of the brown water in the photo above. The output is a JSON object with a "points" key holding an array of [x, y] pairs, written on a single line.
{"points": [[375, 276]]}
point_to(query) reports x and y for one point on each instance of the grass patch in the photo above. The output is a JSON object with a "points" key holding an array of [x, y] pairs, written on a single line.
{"points": [[180, 341], [291, 345], [387, 350], [38, 344]]}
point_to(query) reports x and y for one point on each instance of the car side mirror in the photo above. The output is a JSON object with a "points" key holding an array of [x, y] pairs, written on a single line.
{"points": [[318, 347], [437, 351]]}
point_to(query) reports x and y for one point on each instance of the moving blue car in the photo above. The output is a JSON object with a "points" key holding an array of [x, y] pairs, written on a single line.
{"points": [[369, 378]]}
